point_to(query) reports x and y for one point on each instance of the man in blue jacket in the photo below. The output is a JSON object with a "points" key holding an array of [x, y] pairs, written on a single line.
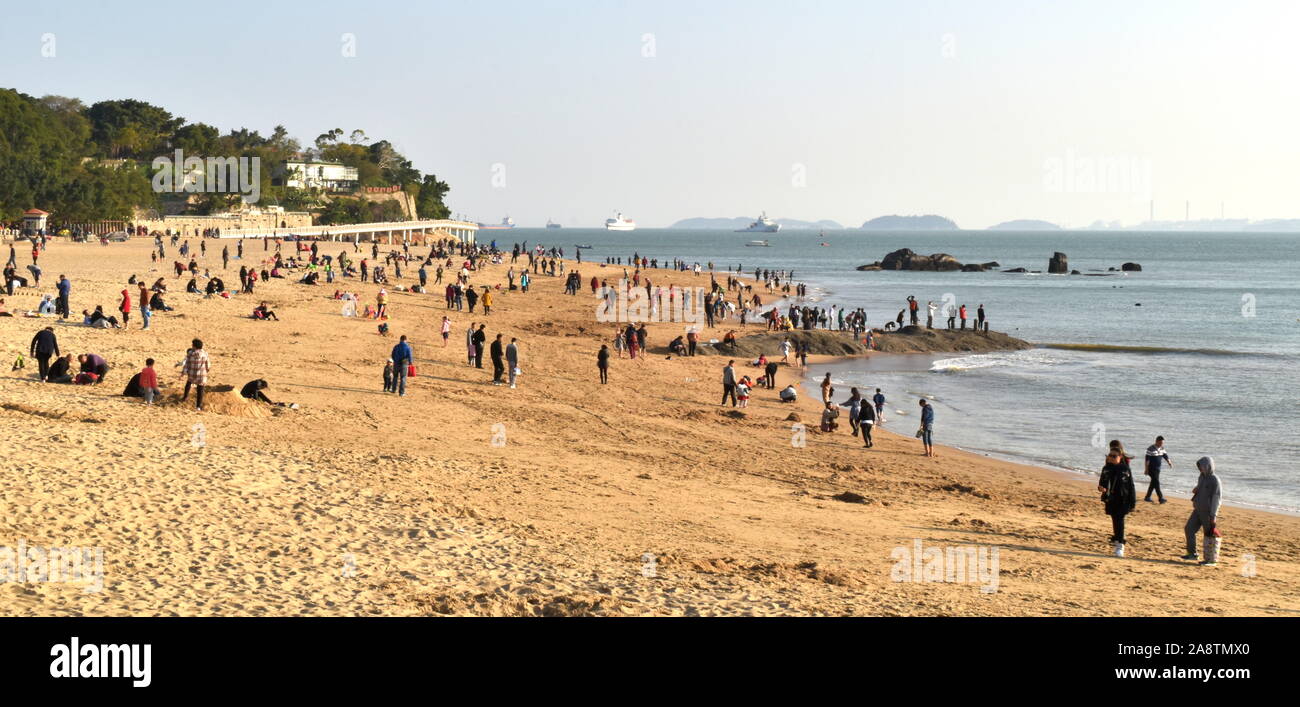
{"points": [[65, 289], [402, 359]]}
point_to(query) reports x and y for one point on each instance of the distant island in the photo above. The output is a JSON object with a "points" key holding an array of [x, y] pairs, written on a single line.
{"points": [[1025, 224], [894, 222], [739, 222]]}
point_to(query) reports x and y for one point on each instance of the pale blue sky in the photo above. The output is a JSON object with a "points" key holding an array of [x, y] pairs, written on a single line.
{"points": [[974, 109]]}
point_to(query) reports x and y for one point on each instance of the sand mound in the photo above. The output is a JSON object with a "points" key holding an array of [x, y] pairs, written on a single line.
{"points": [[223, 400]]}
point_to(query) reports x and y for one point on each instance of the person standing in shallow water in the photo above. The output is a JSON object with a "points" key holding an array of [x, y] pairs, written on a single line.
{"points": [[1117, 493]]}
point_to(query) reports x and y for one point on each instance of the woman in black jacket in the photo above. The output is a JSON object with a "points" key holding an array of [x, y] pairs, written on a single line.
{"points": [[1117, 492]]}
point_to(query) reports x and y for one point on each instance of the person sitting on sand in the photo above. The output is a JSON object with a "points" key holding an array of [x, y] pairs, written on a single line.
{"points": [[99, 320], [193, 286], [678, 346], [829, 416], [262, 311], [729, 340], [157, 304], [61, 370], [760, 362], [46, 306], [788, 394]]}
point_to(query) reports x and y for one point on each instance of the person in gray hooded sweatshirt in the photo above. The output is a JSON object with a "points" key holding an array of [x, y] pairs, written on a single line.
{"points": [[1205, 514]]}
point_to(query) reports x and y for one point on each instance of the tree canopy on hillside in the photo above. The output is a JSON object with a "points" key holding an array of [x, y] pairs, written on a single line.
{"points": [[53, 154]]}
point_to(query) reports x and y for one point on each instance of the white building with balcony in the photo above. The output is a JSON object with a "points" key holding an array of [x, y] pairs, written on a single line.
{"points": [[325, 176]]}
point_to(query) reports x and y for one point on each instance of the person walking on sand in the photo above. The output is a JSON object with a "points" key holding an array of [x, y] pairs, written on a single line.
{"points": [[403, 357], [44, 346], [512, 360], [446, 330], [1156, 456], [469, 343], [729, 384], [197, 367], [879, 401], [866, 421], [602, 363], [785, 351], [926, 433], [854, 404], [1205, 514], [1117, 493]]}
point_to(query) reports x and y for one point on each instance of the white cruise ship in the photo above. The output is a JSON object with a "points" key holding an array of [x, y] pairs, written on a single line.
{"points": [[618, 223], [762, 225]]}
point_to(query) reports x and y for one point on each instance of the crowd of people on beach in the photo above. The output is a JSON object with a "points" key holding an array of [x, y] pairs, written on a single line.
{"points": [[726, 302]]}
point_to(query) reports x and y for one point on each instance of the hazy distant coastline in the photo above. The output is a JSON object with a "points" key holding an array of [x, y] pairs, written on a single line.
{"points": [[739, 222]]}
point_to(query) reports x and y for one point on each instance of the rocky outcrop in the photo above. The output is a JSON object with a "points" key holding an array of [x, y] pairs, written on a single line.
{"points": [[905, 259], [1131, 267], [1059, 264], [910, 339], [972, 267]]}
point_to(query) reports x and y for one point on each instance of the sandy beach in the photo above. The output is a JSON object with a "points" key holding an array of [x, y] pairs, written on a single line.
{"points": [[560, 497]]}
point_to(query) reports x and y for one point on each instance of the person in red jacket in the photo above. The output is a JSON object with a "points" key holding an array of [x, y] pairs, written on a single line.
{"points": [[149, 382], [962, 314], [125, 307]]}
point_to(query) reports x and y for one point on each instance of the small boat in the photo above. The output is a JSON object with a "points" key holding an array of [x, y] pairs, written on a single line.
{"points": [[552, 224], [582, 246], [824, 244], [759, 244]]}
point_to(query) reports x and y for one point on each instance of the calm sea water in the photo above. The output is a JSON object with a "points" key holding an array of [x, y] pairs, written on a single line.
{"points": [[1209, 359]]}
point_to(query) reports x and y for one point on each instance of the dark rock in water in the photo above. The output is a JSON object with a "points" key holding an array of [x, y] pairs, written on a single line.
{"points": [[1075, 272], [972, 267], [1139, 304], [873, 266], [1131, 267], [1110, 269], [1059, 264], [1016, 270], [990, 264], [906, 259]]}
